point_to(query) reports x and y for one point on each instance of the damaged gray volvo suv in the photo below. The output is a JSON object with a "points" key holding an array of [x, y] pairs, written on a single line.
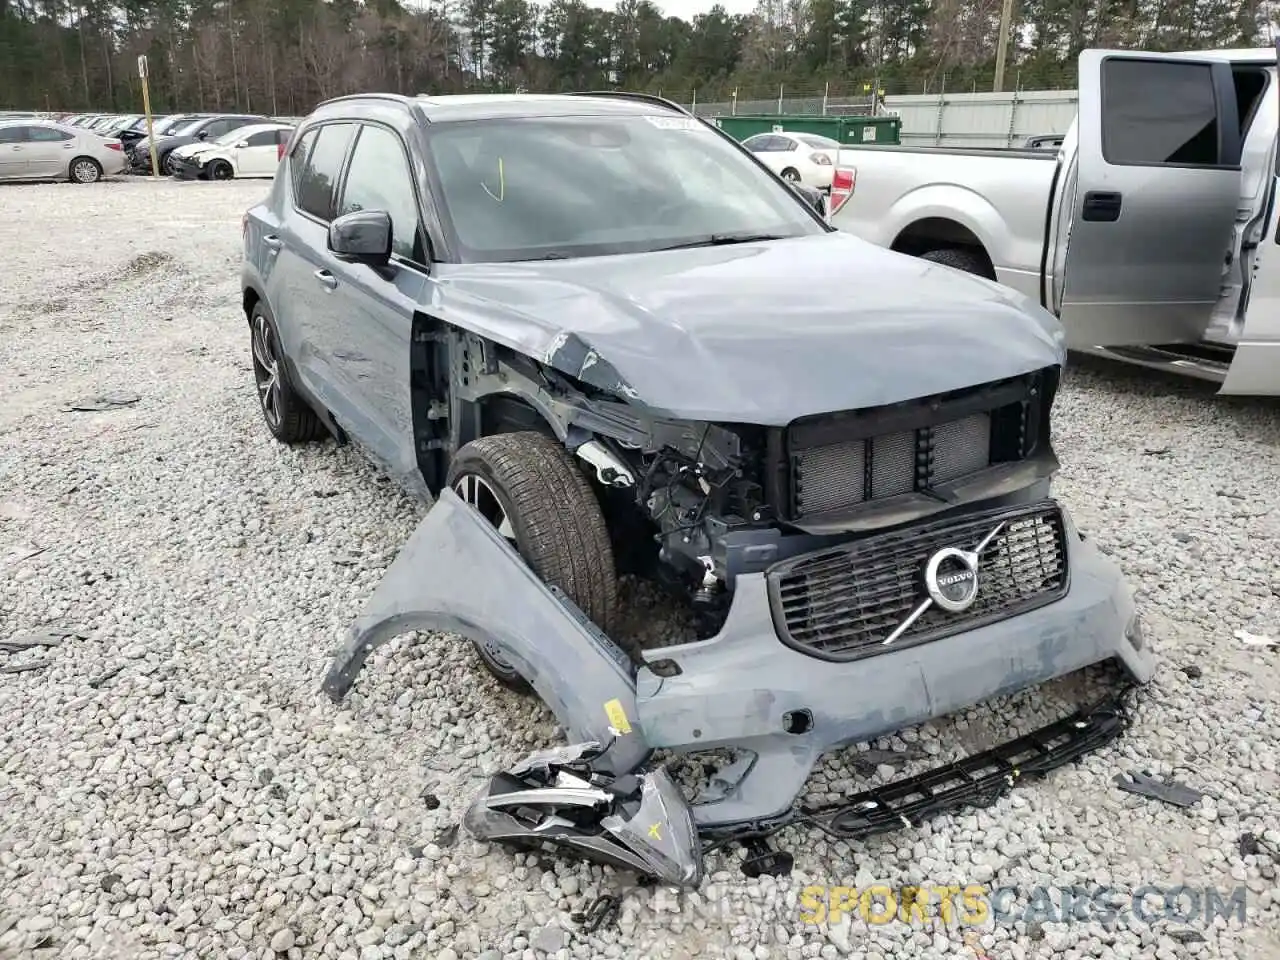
{"points": [[604, 338]]}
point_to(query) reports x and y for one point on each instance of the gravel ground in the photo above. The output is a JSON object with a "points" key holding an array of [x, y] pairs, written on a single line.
{"points": [[173, 784]]}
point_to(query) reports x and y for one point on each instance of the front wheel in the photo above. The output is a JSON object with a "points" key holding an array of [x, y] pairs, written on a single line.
{"points": [[168, 164], [221, 170], [528, 486], [791, 175]]}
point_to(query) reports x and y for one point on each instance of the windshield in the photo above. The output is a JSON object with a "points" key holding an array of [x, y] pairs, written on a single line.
{"points": [[813, 140], [592, 186], [186, 127], [233, 136]]}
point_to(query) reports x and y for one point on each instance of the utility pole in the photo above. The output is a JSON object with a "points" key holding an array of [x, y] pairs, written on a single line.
{"points": [[1006, 14]]}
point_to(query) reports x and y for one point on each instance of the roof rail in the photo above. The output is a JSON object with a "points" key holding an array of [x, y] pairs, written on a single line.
{"points": [[394, 97], [628, 95]]}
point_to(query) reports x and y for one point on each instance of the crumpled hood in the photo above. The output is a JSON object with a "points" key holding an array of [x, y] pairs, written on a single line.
{"points": [[760, 332]]}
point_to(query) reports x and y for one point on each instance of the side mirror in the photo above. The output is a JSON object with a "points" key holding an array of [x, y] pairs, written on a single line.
{"points": [[202, 135], [242, 144], [363, 236], [812, 196]]}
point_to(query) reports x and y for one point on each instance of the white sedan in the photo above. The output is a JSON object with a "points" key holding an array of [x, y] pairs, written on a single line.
{"points": [[33, 149], [249, 151], [805, 158]]}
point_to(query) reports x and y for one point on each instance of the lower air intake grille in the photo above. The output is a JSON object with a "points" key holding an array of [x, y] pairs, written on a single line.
{"points": [[843, 602]]}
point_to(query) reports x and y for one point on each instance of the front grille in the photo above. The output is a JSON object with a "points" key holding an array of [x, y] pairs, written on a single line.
{"points": [[843, 602]]}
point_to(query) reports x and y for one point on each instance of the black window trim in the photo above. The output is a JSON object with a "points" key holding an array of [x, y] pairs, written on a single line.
{"points": [[1252, 115], [1226, 132], [342, 170], [341, 189]]}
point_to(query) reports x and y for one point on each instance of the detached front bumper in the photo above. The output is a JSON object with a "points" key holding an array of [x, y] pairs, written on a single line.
{"points": [[187, 168], [743, 688]]}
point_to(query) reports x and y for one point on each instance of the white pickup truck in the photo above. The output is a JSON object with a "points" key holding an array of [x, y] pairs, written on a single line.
{"points": [[1151, 232]]}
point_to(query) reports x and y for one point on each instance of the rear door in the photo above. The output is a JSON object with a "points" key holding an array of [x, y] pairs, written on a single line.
{"points": [[1158, 177], [49, 151], [259, 155]]}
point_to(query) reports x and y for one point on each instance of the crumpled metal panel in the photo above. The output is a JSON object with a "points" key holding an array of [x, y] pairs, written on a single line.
{"points": [[457, 574]]}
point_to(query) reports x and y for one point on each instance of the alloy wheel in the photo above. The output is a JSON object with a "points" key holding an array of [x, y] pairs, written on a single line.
{"points": [[266, 371], [84, 171], [477, 494]]}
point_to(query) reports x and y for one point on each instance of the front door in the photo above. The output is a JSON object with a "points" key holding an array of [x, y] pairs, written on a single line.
{"points": [[373, 319], [1157, 182], [13, 152]]}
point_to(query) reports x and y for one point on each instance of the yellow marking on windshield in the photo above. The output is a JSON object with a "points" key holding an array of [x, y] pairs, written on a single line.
{"points": [[502, 184]]}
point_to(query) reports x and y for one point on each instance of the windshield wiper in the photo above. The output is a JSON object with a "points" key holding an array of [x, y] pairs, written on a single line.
{"points": [[722, 239]]}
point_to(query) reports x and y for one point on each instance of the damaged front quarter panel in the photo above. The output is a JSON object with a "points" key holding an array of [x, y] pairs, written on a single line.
{"points": [[457, 574]]}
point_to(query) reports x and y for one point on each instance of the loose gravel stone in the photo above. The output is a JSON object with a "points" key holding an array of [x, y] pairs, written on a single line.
{"points": [[173, 783]]}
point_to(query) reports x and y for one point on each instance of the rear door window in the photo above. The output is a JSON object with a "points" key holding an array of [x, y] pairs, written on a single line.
{"points": [[48, 134], [1159, 113], [324, 165]]}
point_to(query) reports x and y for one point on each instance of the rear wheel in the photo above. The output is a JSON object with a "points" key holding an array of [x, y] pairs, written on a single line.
{"points": [[288, 416], [85, 170], [528, 486], [970, 261]]}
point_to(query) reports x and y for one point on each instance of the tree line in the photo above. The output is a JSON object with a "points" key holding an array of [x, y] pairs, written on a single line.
{"points": [[281, 57]]}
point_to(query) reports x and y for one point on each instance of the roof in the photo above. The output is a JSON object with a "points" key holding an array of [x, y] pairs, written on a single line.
{"points": [[485, 106]]}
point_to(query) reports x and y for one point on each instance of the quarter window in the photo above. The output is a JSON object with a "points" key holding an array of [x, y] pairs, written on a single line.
{"points": [[319, 178], [1159, 113], [298, 162], [379, 179]]}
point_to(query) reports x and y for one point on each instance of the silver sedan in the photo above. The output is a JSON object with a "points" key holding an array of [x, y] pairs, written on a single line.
{"points": [[32, 149]]}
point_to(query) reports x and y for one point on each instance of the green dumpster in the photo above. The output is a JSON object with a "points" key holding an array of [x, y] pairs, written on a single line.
{"points": [[877, 130]]}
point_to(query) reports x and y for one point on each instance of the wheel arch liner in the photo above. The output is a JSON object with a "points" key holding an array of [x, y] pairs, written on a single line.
{"points": [[456, 574]]}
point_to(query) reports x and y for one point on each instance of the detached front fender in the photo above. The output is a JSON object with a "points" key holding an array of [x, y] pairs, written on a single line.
{"points": [[456, 574]]}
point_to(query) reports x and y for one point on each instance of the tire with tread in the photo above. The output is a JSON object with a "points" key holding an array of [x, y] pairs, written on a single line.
{"points": [[221, 170], [298, 422], [967, 260], [559, 527], [792, 174]]}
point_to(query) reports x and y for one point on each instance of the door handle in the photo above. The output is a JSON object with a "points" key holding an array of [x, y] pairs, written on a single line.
{"points": [[273, 242], [1101, 206], [327, 278]]}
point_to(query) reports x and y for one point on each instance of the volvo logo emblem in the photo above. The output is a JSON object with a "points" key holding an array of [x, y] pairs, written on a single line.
{"points": [[951, 579]]}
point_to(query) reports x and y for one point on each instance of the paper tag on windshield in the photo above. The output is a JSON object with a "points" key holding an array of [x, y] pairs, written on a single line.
{"points": [[676, 123]]}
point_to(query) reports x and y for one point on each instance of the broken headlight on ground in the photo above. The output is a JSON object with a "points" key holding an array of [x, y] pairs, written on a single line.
{"points": [[639, 823]]}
